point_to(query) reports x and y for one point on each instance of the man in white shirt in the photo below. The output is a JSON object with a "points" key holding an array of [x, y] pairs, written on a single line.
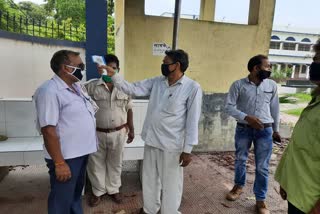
{"points": [[170, 130]]}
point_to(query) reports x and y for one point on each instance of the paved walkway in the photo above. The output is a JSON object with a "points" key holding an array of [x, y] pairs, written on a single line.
{"points": [[207, 180], [287, 118], [289, 106]]}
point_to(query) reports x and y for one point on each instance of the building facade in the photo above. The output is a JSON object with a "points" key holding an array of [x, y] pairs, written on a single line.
{"points": [[291, 48]]}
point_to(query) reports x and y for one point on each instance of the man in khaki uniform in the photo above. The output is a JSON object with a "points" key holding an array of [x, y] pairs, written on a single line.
{"points": [[114, 125]]}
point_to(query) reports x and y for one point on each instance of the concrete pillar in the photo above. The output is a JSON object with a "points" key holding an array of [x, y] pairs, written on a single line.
{"points": [[207, 10], [96, 31], [300, 70], [281, 45], [297, 46], [308, 74], [254, 11], [293, 71], [278, 67]]}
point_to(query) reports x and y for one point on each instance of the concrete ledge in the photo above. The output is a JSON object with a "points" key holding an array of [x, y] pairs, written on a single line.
{"points": [[4, 171]]}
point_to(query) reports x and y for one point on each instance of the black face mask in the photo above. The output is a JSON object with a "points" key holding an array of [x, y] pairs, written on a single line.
{"points": [[78, 73], [263, 74], [314, 71], [165, 69]]}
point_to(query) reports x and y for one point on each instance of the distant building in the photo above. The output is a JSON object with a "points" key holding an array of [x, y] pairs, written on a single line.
{"points": [[291, 48]]}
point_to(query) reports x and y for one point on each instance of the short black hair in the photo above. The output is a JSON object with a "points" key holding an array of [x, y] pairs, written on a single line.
{"points": [[61, 57], [179, 56], [112, 58], [256, 60]]}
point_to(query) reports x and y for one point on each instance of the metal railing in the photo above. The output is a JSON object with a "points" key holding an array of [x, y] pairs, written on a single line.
{"points": [[46, 28]]}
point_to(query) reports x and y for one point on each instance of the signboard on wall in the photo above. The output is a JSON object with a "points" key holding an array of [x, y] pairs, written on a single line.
{"points": [[159, 48]]}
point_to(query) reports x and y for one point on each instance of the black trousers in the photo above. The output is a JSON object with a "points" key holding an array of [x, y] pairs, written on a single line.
{"points": [[293, 210]]}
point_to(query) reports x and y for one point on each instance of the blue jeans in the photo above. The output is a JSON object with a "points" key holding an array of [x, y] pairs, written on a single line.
{"points": [[262, 141], [65, 197]]}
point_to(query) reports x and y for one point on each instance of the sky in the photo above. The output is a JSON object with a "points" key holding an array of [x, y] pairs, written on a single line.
{"points": [[295, 13]]}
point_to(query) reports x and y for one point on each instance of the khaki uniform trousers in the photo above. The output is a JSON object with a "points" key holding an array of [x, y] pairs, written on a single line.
{"points": [[105, 165]]}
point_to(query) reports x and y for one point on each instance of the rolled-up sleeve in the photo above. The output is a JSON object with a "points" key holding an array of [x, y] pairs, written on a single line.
{"points": [[194, 104], [129, 104], [47, 107], [231, 104]]}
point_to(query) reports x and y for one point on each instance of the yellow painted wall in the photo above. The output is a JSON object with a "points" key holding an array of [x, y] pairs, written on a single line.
{"points": [[218, 52], [119, 31]]}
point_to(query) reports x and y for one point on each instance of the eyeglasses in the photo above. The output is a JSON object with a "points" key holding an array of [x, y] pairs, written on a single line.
{"points": [[82, 67]]}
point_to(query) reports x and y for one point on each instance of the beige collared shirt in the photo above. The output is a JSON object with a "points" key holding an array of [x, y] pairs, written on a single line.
{"points": [[113, 106]]}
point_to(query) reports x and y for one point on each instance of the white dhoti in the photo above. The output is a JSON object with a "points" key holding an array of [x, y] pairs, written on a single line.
{"points": [[105, 166], [162, 181]]}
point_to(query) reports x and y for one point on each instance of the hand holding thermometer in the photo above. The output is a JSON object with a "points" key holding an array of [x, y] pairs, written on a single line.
{"points": [[100, 61]]}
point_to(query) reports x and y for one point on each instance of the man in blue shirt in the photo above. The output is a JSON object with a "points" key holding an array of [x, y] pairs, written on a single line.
{"points": [[253, 102], [65, 117]]}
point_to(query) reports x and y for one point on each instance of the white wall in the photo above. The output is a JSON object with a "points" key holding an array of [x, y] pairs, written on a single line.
{"points": [[25, 65]]}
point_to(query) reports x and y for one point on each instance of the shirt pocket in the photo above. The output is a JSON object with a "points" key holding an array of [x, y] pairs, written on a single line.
{"points": [[121, 99], [99, 94], [267, 96]]}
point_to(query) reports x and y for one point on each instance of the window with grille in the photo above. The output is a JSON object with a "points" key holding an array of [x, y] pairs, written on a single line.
{"points": [[304, 47], [289, 46], [274, 45]]}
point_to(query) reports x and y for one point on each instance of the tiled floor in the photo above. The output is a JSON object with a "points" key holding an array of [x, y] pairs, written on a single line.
{"points": [[25, 190]]}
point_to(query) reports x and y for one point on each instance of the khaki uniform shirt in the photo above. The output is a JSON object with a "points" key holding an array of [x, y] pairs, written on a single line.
{"points": [[113, 106]]}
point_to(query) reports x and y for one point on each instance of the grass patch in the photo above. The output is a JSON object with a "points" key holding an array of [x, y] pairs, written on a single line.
{"points": [[295, 112], [287, 99], [295, 98], [303, 97]]}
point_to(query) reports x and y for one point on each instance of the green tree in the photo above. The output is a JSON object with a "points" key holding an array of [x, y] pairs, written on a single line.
{"points": [[74, 12], [2, 5], [65, 13], [110, 35], [33, 10], [65, 9], [281, 75], [110, 7]]}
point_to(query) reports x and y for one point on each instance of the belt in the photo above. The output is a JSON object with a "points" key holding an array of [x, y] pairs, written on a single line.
{"points": [[265, 125], [111, 130]]}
